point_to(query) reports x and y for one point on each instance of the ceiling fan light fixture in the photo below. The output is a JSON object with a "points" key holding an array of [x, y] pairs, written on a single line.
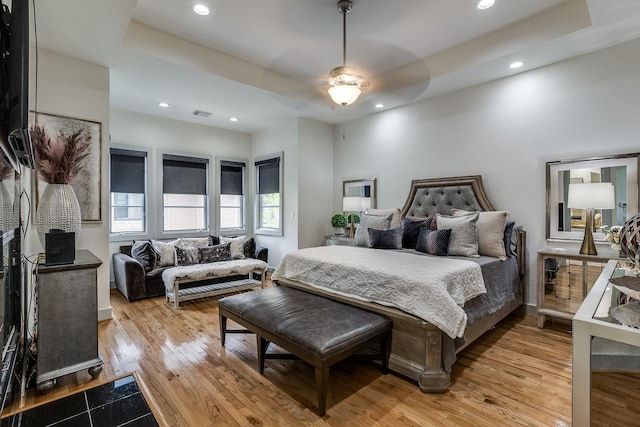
{"points": [[345, 84]]}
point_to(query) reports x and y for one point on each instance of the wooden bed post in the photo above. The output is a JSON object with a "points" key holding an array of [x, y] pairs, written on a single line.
{"points": [[434, 378]]}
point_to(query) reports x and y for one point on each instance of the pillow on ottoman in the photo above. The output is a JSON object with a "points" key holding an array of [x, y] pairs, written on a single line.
{"points": [[143, 252]]}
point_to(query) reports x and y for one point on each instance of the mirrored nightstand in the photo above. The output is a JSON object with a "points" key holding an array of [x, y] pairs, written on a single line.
{"points": [[339, 240]]}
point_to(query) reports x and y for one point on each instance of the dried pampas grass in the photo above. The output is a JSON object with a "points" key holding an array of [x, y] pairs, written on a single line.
{"points": [[59, 160]]}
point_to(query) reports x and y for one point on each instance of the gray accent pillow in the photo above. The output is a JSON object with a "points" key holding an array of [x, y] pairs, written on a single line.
{"points": [[385, 239], [250, 248], [464, 237], [434, 242], [186, 256], [490, 229], [395, 213], [221, 252], [367, 222], [508, 232]]}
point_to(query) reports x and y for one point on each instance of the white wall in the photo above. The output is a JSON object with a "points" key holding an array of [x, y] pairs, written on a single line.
{"points": [[505, 131], [78, 89], [315, 179], [281, 138]]}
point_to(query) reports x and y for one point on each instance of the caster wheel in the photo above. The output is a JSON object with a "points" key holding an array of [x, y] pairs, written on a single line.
{"points": [[46, 386], [94, 371]]}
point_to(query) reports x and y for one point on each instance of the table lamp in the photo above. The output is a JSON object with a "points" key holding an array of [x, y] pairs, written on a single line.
{"points": [[590, 196], [353, 205]]}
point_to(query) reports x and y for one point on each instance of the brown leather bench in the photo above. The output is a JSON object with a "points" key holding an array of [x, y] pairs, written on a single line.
{"points": [[317, 330]]}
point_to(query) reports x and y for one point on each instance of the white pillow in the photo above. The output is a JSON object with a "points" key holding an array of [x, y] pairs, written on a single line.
{"points": [[464, 237], [237, 245], [490, 228], [194, 242], [166, 252], [396, 215]]}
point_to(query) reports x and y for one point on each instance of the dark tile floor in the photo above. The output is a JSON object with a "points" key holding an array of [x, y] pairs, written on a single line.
{"points": [[118, 403]]}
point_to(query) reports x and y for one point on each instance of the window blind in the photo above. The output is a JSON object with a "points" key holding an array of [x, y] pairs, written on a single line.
{"points": [[184, 175], [231, 177], [268, 176], [127, 171]]}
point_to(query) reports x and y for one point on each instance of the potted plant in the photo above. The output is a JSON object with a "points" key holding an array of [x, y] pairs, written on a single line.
{"points": [[338, 222], [58, 161]]}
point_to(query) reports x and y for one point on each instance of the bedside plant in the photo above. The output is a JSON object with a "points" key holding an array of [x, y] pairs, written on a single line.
{"points": [[338, 222]]}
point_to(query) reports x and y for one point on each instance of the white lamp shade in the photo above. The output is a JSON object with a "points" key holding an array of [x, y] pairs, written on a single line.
{"points": [[366, 203], [597, 195], [344, 94], [352, 204]]}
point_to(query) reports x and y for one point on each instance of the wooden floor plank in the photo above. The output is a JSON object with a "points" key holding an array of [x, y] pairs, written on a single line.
{"points": [[515, 375]]}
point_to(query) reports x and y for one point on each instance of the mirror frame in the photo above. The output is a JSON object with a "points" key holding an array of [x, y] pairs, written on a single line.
{"points": [[631, 161], [360, 183]]}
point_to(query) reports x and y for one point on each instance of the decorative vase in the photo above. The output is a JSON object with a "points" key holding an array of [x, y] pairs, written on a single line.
{"points": [[6, 209], [630, 239], [59, 209]]}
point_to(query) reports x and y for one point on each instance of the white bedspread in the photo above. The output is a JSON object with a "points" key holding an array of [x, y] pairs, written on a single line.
{"points": [[432, 288], [212, 270]]}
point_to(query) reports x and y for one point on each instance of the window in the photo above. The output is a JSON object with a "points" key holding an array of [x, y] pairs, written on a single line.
{"points": [[232, 195], [184, 193], [269, 189], [128, 190]]}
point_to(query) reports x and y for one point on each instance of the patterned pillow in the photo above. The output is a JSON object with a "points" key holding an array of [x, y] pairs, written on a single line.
{"points": [[166, 252], [464, 237], [237, 245], [187, 256], [143, 252], [215, 253], [249, 248], [411, 229], [214, 240], [434, 242], [367, 222], [385, 239]]}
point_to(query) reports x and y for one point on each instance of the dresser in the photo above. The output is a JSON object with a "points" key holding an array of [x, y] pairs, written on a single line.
{"points": [[67, 313], [564, 278]]}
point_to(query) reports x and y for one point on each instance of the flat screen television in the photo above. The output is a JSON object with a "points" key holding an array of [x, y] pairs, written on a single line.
{"points": [[15, 150], [15, 143]]}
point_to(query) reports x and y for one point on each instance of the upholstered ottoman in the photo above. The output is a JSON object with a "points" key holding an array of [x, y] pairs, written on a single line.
{"points": [[317, 330]]}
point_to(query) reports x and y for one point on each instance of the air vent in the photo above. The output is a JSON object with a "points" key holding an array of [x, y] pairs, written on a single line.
{"points": [[202, 113]]}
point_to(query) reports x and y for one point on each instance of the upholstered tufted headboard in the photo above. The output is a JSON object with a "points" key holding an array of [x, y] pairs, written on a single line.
{"points": [[439, 195], [430, 196]]}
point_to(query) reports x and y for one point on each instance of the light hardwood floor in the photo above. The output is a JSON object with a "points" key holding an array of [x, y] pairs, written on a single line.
{"points": [[515, 375]]}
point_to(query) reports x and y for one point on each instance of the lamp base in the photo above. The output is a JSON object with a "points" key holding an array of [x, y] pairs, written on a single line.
{"points": [[588, 245]]}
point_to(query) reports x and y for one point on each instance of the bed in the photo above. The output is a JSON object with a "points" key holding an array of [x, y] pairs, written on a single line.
{"points": [[421, 350]]}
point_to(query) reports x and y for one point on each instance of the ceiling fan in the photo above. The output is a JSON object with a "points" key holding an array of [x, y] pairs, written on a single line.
{"points": [[345, 84]]}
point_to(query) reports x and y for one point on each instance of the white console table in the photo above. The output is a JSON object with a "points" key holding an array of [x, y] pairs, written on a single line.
{"points": [[591, 320]]}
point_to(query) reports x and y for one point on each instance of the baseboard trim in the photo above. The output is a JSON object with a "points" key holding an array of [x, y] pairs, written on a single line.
{"points": [[105, 314]]}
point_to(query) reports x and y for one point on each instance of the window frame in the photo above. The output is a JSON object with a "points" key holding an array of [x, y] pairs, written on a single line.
{"points": [[258, 212], [148, 197], [237, 230], [208, 203]]}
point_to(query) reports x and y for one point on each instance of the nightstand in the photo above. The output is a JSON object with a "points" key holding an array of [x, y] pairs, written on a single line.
{"points": [[332, 240], [565, 277]]}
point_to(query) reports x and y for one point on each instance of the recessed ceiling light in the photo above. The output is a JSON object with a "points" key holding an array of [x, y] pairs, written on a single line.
{"points": [[233, 119], [485, 4], [380, 105], [163, 104], [201, 9], [516, 64]]}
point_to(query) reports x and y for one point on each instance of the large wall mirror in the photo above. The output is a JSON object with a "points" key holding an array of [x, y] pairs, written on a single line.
{"points": [[567, 223], [361, 188]]}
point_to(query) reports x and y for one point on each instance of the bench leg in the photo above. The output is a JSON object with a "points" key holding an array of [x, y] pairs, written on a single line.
{"points": [[262, 350], [176, 290], [385, 350], [223, 329], [322, 385]]}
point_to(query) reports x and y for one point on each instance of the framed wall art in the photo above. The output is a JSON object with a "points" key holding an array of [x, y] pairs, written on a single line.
{"points": [[86, 185]]}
